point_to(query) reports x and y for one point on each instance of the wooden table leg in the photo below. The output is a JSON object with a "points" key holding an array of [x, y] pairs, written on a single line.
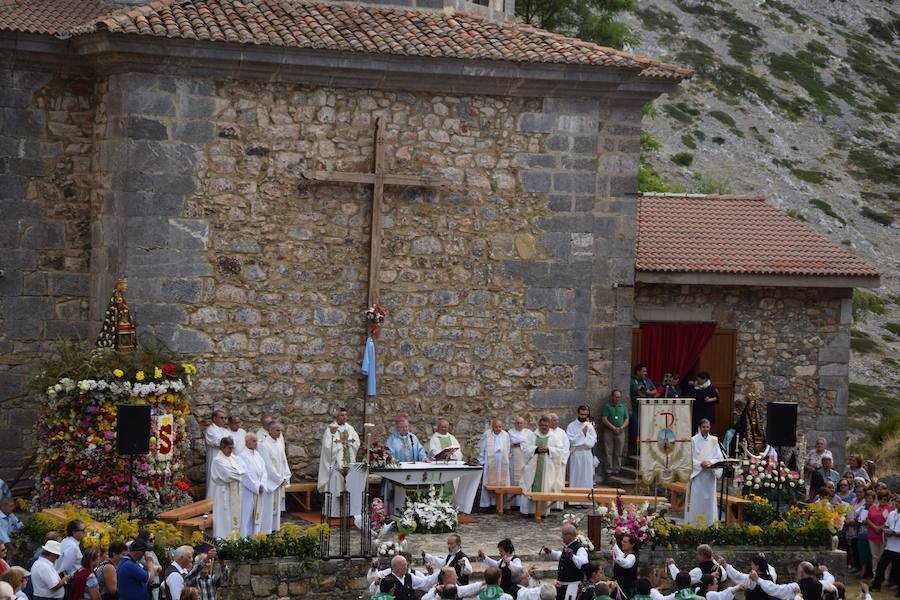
{"points": [[499, 503], [539, 505]]}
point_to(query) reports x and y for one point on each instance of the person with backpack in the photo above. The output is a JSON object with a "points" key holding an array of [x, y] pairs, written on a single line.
{"points": [[84, 584], [181, 573]]}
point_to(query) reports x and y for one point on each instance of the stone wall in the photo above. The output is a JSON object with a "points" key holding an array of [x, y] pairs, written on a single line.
{"points": [[46, 131], [794, 343], [289, 578]]}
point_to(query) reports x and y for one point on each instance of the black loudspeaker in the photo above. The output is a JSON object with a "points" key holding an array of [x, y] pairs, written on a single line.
{"points": [[781, 424], [133, 429]]}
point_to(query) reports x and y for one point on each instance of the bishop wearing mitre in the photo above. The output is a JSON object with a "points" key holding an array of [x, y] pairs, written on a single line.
{"points": [[701, 493], [340, 443], [543, 453]]}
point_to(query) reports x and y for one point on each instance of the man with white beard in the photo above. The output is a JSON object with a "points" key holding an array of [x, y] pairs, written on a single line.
{"points": [[340, 443], [252, 487], [582, 438], [278, 475], [560, 434], [213, 437]]}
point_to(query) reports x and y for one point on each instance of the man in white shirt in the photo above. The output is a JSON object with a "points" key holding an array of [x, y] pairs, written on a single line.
{"points": [[705, 566], [807, 585], [408, 582], [890, 555], [69, 560], [456, 559], [179, 574], [571, 558], [44, 577], [213, 437]]}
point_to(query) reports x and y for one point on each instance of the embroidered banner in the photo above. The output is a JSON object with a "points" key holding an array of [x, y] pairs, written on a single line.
{"points": [[665, 439]]}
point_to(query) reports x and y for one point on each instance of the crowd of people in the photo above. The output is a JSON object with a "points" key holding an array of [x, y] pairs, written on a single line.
{"points": [[62, 569]]}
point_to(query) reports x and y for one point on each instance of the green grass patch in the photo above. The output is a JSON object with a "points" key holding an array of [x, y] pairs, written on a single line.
{"points": [[649, 110], [889, 147], [886, 31], [875, 399], [718, 140], [648, 142], [784, 162], [861, 342], [847, 242], [890, 362], [866, 302], [815, 177], [684, 159], [795, 214], [826, 208], [886, 104], [724, 117], [787, 10], [658, 20], [688, 141], [681, 112], [651, 181], [696, 55], [707, 184], [893, 328], [802, 70], [698, 135], [874, 167], [843, 89], [879, 217]]}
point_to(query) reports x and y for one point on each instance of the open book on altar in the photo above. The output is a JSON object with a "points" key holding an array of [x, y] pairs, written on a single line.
{"points": [[727, 462], [445, 453]]}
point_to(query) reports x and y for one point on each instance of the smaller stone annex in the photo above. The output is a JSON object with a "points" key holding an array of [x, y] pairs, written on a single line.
{"points": [[168, 141]]}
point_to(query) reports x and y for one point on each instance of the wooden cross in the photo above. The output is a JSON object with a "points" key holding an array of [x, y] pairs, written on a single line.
{"points": [[378, 179]]}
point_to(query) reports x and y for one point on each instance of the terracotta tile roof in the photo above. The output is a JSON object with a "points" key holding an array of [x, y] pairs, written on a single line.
{"points": [[56, 17], [734, 234], [330, 26]]}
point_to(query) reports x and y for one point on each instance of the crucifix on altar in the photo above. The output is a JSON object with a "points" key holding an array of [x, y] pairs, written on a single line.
{"points": [[378, 179]]}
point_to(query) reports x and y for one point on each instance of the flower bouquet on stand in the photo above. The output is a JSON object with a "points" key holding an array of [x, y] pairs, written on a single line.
{"points": [[430, 511], [769, 478], [637, 522], [376, 456]]}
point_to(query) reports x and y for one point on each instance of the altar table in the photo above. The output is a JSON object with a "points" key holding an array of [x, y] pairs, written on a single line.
{"points": [[416, 474]]}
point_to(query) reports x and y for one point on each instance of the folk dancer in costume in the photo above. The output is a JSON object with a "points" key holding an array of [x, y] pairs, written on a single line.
{"points": [[494, 456], [560, 433], [544, 462], [582, 438], [278, 476], [595, 586], [226, 472], [448, 577], [385, 589], [705, 566], [237, 433], [807, 584], [701, 493], [253, 487], [492, 589], [517, 436], [625, 564], [456, 559], [213, 436], [407, 583], [340, 443], [509, 564], [763, 569], [571, 559], [441, 440]]}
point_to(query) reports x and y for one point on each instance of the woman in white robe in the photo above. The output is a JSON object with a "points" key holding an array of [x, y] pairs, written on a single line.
{"points": [[252, 487], [278, 475], [226, 472], [494, 456], [541, 472]]}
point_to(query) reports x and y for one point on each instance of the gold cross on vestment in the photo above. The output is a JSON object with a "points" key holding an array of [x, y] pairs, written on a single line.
{"points": [[377, 179]]}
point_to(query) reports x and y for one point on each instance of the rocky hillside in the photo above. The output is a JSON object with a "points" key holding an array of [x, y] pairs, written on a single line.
{"points": [[798, 100]]}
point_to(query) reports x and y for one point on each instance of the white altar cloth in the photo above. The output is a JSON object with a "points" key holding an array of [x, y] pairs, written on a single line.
{"points": [[414, 474]]}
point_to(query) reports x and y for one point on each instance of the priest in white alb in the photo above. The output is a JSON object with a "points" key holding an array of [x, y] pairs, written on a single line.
{"points": [[226, 472], [543, 453], [278, 476], [701, 492], [517, 436], [560, 433], [252, 487], [582, 439], [212, 436], [494, 456], [340, 443], [237, 433]]}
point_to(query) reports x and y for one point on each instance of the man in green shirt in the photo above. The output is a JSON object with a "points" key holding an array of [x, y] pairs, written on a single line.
{"points": [[615, 423]]}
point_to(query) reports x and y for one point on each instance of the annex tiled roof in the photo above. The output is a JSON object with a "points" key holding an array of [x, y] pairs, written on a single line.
{"points": [[734, 234], [332, 26], [56, 17]]}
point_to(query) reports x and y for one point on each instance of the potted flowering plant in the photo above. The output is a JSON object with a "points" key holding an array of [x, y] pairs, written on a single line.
{"points": [[430, 512], [638, 522], [376, 456], [764, 476]]}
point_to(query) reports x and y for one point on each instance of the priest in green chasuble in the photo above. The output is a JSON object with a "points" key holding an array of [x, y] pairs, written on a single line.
{"points": [[441, 441], [543, 452]]}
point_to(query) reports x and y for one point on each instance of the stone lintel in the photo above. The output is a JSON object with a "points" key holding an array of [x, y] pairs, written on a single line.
{"points": [[673, 313], [721, 279], [121, 52]]}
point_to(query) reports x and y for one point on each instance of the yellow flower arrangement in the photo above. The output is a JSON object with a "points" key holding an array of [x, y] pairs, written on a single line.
{"points": [[119, 373], [140, 376], [124, 527], [189, 368], [196, 538], [754, 530], [157, 373]]}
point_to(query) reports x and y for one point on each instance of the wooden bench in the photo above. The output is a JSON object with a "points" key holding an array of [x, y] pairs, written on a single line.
{"points": [[60, 515], [188, 511], [301, 493], [734, 505], [188, 526], [501, 491], [539, 498]]}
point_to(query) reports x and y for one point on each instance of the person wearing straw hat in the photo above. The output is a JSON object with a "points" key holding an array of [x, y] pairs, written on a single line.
{"points": [[47, 583]]}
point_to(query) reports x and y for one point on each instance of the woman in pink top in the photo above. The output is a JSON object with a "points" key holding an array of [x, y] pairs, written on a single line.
{"points": [[878, 513]]}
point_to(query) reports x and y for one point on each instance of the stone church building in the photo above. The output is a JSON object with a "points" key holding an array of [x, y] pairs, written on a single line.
{"points": [[173, 142]]}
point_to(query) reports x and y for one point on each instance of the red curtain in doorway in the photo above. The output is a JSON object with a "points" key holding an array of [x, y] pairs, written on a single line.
{"points": [[673, 347]]}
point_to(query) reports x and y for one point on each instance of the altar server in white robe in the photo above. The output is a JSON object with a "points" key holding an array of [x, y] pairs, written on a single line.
{"points": [[701, 492], [252, 487], [443, 439], [340, 443], [226, 472], [278, 476], [494, 456], [517, 436], [212, 436], [544, 461], [582, 439], [560, 433], [237, 433]]}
